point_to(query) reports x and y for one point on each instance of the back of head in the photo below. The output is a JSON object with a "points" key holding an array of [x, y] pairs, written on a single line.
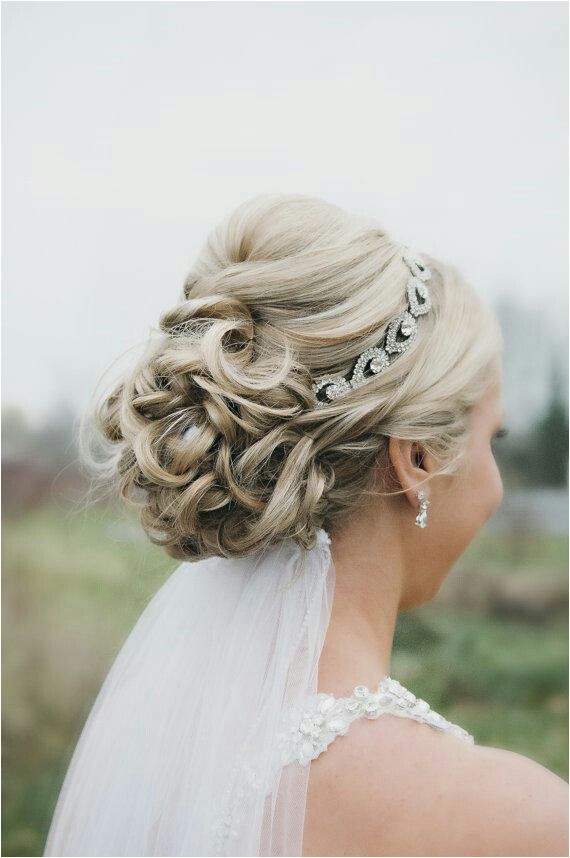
{"points": [[215, 434]]}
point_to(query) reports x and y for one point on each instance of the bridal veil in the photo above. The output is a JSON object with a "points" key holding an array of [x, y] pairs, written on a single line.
{"points": [[179, 755]]}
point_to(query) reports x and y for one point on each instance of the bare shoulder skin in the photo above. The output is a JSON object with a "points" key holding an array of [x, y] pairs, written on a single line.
{"points": [[393, 786]]}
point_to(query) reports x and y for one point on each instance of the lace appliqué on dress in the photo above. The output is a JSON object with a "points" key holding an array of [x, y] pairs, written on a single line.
{"points": [[306, 733]]}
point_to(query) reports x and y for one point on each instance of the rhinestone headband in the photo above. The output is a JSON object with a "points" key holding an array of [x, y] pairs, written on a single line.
{"points": [[377, 358]]}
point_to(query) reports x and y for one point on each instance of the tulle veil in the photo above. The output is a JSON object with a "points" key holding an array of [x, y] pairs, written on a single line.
{"points": [[179, 754]]}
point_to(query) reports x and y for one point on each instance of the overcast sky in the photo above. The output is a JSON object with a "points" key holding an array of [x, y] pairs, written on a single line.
{"points": [[130, 129]]}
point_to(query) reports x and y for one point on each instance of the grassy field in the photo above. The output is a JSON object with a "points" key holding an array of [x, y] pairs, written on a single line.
{"points": [[73, 586]]}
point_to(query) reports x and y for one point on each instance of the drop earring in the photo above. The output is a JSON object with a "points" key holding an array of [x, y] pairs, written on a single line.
{"points": [[424, 503]]}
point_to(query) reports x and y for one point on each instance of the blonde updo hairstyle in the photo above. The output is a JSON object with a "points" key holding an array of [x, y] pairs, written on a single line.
{"points": [[287, 289]]}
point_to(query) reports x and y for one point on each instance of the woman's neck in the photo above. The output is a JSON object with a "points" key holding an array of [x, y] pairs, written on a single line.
{"points": [[368, 588]]}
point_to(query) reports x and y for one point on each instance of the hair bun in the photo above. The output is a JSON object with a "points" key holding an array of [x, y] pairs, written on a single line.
{"points": [[215, 434]]}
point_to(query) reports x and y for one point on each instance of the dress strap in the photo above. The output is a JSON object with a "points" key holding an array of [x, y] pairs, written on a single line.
{"points": [[308, 731]]}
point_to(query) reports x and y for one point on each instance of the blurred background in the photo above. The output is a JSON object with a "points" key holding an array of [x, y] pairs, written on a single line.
{"points": [[129, 130]]}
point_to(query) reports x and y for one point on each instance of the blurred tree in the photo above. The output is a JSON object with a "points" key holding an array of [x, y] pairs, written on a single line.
{"points": [[538, 456], [16, 434], [52, 444], [548, 439], [55, 438], [39, 463]]}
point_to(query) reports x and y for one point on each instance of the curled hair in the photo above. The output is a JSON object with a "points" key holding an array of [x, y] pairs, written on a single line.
{"points": [[214, 434]]}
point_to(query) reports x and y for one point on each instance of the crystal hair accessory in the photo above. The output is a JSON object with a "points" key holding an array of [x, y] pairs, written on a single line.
{"points": [[375, 359]]}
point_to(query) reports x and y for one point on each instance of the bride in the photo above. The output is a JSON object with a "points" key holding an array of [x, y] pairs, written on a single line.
{"points": [[310, 433]]}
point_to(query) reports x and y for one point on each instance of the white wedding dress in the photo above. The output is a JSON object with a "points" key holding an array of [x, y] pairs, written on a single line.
{"points": [[200, 739]]}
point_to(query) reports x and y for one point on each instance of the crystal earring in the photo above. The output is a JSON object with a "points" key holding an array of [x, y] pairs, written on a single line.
{"points": [[424, 503]]}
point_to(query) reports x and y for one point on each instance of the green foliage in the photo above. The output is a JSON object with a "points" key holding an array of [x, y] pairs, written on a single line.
{"points": [[73, 587]]}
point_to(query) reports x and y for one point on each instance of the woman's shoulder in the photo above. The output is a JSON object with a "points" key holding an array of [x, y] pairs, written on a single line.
{"points": [[393, 786]]}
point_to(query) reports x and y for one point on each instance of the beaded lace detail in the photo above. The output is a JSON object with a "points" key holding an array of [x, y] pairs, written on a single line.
{"points": [[308, 731]]}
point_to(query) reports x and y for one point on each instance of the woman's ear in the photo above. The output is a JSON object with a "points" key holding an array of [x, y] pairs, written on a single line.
{"points": [[418, 453], [409, 465]]}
